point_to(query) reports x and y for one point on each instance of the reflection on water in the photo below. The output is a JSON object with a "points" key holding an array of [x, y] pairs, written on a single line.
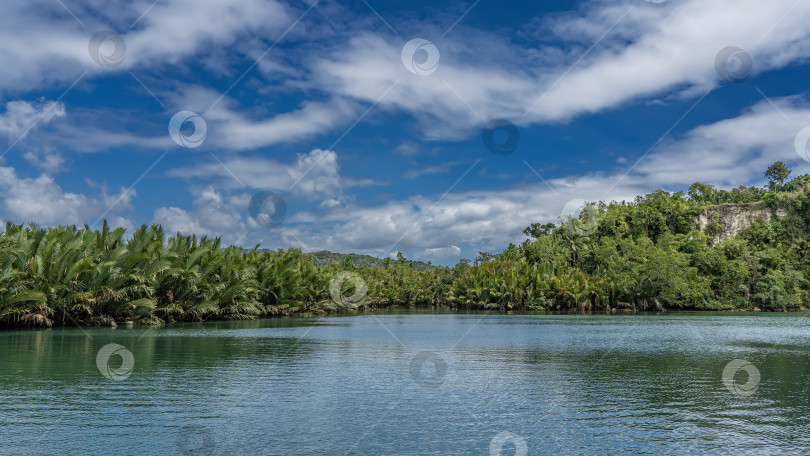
{"points": [[414, 383]]}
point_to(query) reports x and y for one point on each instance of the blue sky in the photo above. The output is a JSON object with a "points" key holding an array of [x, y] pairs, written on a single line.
{"points": [[374, 151]]}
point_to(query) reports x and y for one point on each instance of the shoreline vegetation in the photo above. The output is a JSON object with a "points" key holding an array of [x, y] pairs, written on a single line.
{"points": [[648, 254]]}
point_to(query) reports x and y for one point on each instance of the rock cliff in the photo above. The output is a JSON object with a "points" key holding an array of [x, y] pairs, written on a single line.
{"points": [[733, 218]]}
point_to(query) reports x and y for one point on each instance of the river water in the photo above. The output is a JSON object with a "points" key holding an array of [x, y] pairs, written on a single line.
{"points": [[414, 383]]}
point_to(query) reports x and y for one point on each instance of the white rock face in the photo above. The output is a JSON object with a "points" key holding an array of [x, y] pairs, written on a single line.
{"points": [[734, 218]]}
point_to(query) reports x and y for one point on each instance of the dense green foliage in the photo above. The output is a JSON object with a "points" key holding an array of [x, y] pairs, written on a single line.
{"points": [[65, 275], [649, 254], [646, 254]]}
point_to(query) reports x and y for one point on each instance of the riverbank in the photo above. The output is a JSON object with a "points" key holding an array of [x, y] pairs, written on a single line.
{"points": [[426, 310]]}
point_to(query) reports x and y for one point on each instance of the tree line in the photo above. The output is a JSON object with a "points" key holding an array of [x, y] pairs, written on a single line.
{"points": [[645, 254]]}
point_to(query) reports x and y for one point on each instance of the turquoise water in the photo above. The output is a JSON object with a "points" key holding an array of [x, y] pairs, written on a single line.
{"points": [[414, 383]]}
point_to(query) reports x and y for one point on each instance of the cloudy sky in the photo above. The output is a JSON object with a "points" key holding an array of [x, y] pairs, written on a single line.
{"points": [[377, 126]]}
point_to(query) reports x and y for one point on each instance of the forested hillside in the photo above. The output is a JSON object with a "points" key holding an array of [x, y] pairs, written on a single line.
{"points": [[649, 254]]}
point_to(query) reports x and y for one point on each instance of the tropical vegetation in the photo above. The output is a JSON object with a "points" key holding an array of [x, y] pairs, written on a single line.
{"points": [[647, 254]]}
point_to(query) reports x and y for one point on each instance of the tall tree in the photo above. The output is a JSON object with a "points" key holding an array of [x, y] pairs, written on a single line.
{"points": [[777, 173]]}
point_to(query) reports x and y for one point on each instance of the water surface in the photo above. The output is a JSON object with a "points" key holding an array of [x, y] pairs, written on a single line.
{"points": [[413, 383]]}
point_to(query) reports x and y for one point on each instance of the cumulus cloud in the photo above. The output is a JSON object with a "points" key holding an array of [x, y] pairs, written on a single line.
{"points": [[42, 200], [22, 116], [51, 162], [213, 214]]}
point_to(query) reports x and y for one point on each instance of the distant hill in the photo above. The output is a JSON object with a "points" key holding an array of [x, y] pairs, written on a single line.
{"points": [[325, 258]]}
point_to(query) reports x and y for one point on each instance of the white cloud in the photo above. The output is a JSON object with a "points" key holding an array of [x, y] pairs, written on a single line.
{"points": [[175, 29], [408, 149], [674, 46], [233, 128], [123, 222], [20, 119], [314, 175], [650, 51], [51, 162], [213, 215], [489, 219], [441, 253], [732, 151], [653, 50], [42, 200], [23, 116], [89, 134], [44, 45], [433, 169]]}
